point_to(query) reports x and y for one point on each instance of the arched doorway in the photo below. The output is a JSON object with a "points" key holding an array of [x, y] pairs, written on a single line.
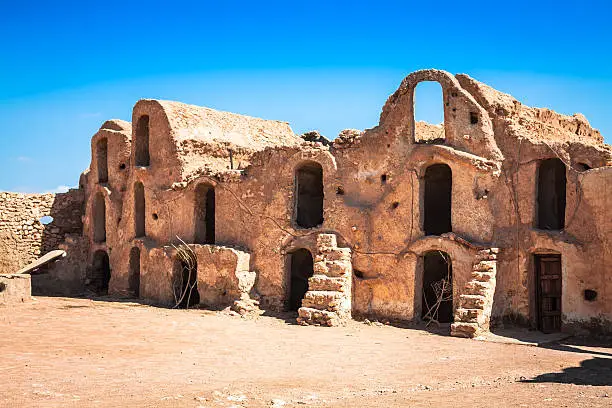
{"points": [[100, 273], [437, 199], [186, 281], [99, 218], [309, 195], [204, 214], [437, 292], [139, 210], [551, 195], [134, 272], [301, 268], [141, 142], [102, 160]]}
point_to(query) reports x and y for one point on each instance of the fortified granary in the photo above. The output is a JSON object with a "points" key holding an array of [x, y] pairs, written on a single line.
{"points": [[501, 213]]}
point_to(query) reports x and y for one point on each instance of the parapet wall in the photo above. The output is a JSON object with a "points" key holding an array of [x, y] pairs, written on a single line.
{"points": [[23, 238]]}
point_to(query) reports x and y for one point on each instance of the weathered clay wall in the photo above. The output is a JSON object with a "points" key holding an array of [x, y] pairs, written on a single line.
{"points": [[373, 200]]}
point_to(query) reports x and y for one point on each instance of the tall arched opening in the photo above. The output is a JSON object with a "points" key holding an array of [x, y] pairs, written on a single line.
{"points": [[141, 142], [437, 199], [428, 109], [309, 195], [300, 270], [100, 273], [186, 280], [134, 272], [551, 195], [102, 160], [437, 290], [139, 210], [99, 218], [204, 216]]}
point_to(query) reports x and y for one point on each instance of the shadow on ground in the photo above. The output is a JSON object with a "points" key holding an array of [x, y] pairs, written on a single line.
{"points": [[596, 371]]}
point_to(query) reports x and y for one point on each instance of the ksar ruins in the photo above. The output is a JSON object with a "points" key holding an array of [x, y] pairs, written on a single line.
{"points": [[502, 214]]}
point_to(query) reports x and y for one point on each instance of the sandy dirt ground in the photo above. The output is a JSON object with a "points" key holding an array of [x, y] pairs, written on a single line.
{"points": [[61, 352]]}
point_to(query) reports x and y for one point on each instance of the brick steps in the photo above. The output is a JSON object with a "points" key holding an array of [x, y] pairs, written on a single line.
{"points": [[475, 303], [328, 300]]}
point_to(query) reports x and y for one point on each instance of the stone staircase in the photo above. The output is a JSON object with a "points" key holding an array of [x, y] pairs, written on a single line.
{"points": [[328, 300], [474, 312]]}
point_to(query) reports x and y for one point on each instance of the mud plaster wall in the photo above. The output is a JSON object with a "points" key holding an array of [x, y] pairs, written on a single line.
{"points": [[373, 186]]}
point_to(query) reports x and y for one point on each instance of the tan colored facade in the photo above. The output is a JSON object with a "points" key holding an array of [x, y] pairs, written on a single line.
{"points": [[371, 255]]}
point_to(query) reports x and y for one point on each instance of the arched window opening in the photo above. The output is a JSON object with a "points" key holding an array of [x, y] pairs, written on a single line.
{"points": [[204, 214], [141, 142], [134, 272], [309, 195], [99, 218], [100, 273], [551, 195], [428, 111], [139, 210], [301, 269], [102, 160], [437, 199], [437, 293], [186, 280]]}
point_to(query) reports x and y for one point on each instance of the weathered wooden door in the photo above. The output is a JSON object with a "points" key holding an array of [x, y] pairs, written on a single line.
{"points": [[548, 276]]}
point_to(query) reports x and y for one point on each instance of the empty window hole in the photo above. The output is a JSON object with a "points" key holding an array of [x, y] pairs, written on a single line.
{"points": [[473, 118], [590, 295]]}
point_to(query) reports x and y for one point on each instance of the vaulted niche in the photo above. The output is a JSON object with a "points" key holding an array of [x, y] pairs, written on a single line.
{"points": [[100, 273], [141, 142], [134, 272], [139, 210], [428, 107], [551, 195], [99, 218], [309, 195], [301, 269], [437, 199], [102, 160], [204, 214]]}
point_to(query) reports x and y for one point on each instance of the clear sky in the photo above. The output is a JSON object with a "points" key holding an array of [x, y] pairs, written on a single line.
{"points": [[328, 65]]}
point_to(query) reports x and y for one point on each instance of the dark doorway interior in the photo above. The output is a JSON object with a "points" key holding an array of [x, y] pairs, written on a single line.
{"points": [[139, 210], [437, 298], [204, 214], [141, 142], [134, 272], [437, 199], [102, 160], [301, 269], [309, 191], [551, 195], [548, 292], [186, 287], [99, 218], [100, 273]]}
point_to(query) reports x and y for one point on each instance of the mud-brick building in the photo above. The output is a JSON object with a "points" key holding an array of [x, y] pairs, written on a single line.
{"points": [[501, 212]]}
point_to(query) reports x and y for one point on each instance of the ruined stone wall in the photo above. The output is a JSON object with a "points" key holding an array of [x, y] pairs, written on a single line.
{"points": [[23, 238]]}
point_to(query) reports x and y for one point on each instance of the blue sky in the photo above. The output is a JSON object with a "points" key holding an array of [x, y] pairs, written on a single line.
{"points": [[67, 67]]}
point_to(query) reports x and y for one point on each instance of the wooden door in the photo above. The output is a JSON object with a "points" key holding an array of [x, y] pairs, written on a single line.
{"points": [[548, 269]]}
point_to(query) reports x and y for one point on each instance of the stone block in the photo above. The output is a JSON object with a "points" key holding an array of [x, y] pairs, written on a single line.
{"points": [[15, 288]]}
